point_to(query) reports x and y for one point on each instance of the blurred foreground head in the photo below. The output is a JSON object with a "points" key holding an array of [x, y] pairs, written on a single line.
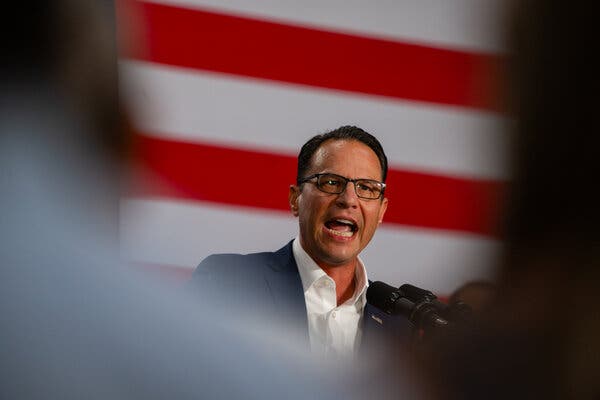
{"points": [[552, 260], [553, 218], [540, 337], [551, 269], [75, 323], [61, 54], [62, 131]]}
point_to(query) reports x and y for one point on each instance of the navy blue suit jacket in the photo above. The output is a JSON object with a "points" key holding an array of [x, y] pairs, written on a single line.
{"points": [[269, 284]]}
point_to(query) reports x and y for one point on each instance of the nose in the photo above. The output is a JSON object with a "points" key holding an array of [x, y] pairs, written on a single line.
{"points": [[348, 198]]}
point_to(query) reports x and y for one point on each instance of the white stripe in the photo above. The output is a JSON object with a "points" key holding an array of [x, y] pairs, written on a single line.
{"points": [[183, 233], [462, 24], [199, 106]]}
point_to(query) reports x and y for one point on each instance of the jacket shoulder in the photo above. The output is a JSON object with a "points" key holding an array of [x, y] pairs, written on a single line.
{"points": [[247, 263], [231, 262]]}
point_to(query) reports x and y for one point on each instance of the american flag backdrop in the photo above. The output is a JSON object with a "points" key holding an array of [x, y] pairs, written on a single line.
{"points": [[222, 95]]}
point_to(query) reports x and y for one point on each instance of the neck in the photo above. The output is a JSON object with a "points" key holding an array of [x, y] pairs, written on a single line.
{"points": [[344, 278]]}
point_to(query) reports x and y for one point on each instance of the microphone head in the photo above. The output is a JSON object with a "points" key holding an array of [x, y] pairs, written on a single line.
{"points": [[382, 296], [417, 294]]}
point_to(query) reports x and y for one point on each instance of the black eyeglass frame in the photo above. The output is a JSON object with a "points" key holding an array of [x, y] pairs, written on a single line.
{"points": [[344, 179]]}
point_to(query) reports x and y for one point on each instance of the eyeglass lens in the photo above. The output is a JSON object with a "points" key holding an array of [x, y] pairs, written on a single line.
{"points": [[335, 184]]}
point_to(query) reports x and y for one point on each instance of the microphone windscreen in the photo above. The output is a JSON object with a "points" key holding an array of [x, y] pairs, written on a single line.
{"points": [[381, 295]]}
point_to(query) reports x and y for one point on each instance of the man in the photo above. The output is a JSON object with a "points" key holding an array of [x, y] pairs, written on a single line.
{"points": [[317, 280]]}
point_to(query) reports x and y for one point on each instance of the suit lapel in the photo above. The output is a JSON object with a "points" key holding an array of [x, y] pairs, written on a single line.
{"points": [[285, 286]]}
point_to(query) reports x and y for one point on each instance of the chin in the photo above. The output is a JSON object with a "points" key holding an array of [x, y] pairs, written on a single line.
{"points": [[340, 258]]}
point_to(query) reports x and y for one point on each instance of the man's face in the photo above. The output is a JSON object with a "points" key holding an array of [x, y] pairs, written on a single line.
{"points": [[324, 230]]}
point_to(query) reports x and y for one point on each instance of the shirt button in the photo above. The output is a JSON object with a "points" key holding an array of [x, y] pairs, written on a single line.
{"points": [[333, 314]]}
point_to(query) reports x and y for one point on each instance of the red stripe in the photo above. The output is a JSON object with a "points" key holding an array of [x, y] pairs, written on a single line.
{"points": [[258, 48], [260, 179]]}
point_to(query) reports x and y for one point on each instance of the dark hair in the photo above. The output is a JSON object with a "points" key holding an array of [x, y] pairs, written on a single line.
{"points": [[342, 133], [69, 45]]}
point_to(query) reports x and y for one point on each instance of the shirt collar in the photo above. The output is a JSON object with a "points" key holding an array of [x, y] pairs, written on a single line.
{"points": [[310, 272]]}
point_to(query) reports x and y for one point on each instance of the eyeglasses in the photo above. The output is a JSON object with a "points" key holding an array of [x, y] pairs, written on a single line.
{"points": [[368, 189]]}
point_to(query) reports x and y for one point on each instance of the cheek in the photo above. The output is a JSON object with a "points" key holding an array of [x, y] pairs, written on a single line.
{"points": [[304, 203], [306, 215], [370, 229], [372, 220], [311, 206]]}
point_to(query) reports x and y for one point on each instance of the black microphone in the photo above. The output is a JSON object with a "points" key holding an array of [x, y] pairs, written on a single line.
{"points": [[419, 306]]}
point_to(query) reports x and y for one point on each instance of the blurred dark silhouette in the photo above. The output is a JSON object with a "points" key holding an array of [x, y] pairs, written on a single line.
{"points": [[539, 337], [75, 324], [66, 49], [476, 294]]}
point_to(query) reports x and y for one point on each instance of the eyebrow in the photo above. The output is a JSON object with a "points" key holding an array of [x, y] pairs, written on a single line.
{"points": [[335, 173]]}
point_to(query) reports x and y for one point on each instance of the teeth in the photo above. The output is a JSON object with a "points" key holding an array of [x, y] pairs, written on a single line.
{"points": [[345, 221], [341, 233]]}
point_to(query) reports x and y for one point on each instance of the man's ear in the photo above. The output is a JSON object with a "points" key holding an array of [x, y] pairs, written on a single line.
{"points": [[293, 199], [382, 209]]}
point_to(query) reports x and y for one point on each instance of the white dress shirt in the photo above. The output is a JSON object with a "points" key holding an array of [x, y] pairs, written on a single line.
{"points": [[333, 330]]}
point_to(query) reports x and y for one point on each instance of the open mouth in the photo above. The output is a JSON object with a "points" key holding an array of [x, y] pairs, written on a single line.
{"points": [[341, 227]]}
